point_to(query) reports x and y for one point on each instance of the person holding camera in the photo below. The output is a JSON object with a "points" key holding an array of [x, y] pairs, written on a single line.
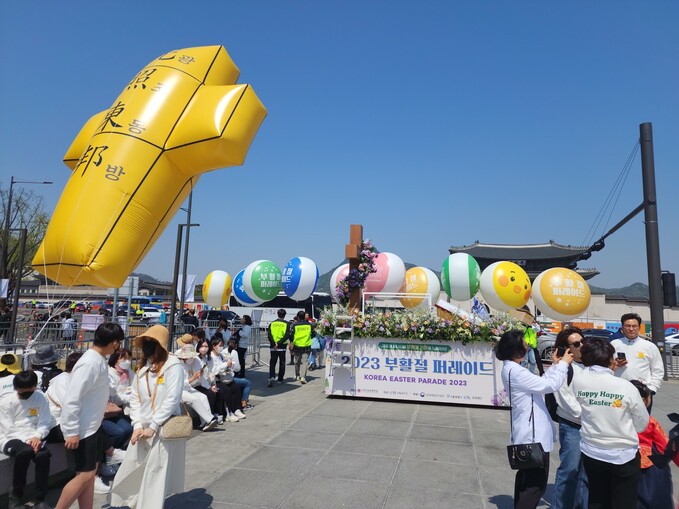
{"points": [[530, 418], [570, 483], [612, 415], [637, 358]]}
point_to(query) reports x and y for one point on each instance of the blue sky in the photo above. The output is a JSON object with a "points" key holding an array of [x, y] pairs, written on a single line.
{"points": [[431, 123]]}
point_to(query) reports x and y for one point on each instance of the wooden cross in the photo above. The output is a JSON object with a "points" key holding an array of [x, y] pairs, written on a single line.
{"points": [[352, 252]]}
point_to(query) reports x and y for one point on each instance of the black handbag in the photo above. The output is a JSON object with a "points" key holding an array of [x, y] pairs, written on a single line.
{"points": [[524, 456]]}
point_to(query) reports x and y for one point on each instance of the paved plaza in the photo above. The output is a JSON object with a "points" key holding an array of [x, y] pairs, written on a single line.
{"points": [[298, 449]]}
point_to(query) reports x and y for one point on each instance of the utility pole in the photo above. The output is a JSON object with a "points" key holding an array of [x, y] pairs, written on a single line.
{"points": [[652, 239]]}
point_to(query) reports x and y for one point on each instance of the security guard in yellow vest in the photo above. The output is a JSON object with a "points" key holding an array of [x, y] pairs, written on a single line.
{"points": [[279, 333], [301, 333]]}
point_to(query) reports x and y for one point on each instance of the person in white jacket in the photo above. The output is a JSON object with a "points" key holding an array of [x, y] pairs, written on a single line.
{"points": [[153, 467], [24, 425], [613, 414], [530, 418], [82, 411], [193, 371], [222, 366], [637, 358]]}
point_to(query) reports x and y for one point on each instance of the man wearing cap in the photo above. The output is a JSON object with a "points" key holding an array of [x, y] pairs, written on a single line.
{"points": [[81, 415]]}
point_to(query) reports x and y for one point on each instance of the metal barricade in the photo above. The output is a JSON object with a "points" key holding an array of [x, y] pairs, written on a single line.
{"points": [[672, 362]]}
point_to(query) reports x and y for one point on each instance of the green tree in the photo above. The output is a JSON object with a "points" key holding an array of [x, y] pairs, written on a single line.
{"points": [[27, 211]]}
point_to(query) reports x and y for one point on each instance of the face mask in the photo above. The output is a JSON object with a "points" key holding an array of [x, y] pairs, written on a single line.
{"points": [[149, 348], [203, 350], [25, 395], [125, 364], [219, 349]]}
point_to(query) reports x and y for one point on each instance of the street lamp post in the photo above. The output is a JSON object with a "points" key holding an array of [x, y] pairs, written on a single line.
{"points": [[175, 277]]}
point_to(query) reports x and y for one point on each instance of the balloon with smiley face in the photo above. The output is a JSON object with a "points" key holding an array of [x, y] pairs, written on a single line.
{"points": [[505, 286]]}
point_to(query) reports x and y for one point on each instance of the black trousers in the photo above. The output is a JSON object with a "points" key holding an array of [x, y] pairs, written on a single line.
{"points": [[241, 360], [612, 486], [23, 454], [529, 486], [214, 398], [280, 358], [231, 395]]}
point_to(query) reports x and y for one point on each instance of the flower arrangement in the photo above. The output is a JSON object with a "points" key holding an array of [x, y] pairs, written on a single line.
{"points": [[419, 325], [356, 277]]}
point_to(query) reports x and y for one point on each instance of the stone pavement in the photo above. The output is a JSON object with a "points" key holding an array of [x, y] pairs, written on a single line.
{"points": [[298, 449]]}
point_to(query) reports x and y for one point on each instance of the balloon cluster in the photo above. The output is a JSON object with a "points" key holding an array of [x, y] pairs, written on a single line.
{"points": [[261, 281], [559, 293]]}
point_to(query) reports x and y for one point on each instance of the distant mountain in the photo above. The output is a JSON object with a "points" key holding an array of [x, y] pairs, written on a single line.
{"points": [[149, 279], [631, 291]]}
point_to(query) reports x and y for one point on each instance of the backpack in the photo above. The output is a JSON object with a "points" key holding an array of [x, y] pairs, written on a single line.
{"points": [[550, 399]]}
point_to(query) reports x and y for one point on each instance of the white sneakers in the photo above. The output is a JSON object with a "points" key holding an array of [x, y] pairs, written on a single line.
{"points": [[302, 380], [239, 413], [232, 418], [100, 486], [117, 458]]}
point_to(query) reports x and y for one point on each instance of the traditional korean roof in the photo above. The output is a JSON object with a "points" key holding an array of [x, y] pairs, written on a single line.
{"points": [[551, 250]]}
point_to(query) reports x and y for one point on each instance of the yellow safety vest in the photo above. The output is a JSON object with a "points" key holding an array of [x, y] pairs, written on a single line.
{"points": [[301, 334]]}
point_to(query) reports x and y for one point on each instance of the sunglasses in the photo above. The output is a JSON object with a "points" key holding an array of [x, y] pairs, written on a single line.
{"points": [[575, 344]]}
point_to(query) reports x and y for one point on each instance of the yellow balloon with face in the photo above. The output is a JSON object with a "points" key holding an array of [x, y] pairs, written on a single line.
{"points": [[505, 286]]}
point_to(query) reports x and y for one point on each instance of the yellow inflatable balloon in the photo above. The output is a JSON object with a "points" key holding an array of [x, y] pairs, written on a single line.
{"points": [[423, 281], [217, 288], [135, 163], [561, 294], [505, 286]]}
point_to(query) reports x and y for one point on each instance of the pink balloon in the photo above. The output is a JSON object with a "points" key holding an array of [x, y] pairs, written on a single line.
{"points": [[389, 276]]}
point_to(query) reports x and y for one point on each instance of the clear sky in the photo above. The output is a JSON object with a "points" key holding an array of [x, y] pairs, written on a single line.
{"points": [[431, 123]]}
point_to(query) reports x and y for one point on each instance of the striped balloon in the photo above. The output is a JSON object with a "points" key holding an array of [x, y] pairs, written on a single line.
{"points": [[239, 292], [460, 276], [300, 277], [217, 288]]}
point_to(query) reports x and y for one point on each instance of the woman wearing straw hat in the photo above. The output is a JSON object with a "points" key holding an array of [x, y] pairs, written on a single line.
{"points": [[153, 468]]}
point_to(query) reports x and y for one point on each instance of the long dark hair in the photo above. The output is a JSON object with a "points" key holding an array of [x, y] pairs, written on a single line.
{"points": [[209, 347], [158, 358]]}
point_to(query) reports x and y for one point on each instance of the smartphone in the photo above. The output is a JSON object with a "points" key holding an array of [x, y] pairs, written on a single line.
{"points": [[560, 351], [622, 356]]}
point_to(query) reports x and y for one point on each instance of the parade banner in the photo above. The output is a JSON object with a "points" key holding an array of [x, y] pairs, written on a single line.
{"points": [[442, 372]]}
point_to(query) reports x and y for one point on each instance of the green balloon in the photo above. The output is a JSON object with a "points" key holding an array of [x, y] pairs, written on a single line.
{"points": [[266, 280]]}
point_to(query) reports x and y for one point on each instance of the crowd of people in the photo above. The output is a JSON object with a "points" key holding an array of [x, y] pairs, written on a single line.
{"points": [[611, 449], [109, 416]]}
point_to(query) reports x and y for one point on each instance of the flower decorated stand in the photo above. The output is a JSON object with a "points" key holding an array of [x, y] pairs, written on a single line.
{"points": [[415, 358]]}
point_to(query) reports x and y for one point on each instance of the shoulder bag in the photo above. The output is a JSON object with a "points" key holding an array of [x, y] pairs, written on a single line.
{"points": [[524, 456], [177, 427]]}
